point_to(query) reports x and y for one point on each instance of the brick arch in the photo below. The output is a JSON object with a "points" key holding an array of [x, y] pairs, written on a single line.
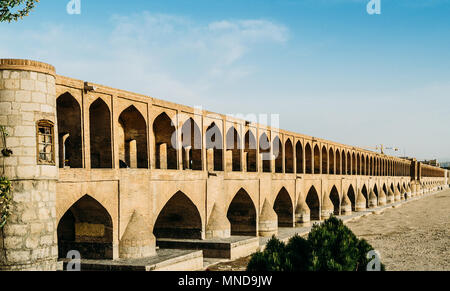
{"points": [[70, 131], [242, 214], [133, 127], [87, 227], [284, 207], [179, 218], [165, 152], [100, 134], [313, 202]]}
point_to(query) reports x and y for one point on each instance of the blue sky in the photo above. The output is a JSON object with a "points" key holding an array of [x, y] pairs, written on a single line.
{"points": [[327, 67]]}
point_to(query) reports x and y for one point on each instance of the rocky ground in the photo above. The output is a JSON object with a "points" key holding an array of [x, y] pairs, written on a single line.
{"points": [[413, 237]]}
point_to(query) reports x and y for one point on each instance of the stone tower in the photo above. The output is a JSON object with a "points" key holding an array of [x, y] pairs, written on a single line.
{"points": [[28, 111]]}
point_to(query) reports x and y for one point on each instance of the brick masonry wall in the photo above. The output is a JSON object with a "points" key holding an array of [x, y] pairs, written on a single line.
{"points": [[29, 240]]}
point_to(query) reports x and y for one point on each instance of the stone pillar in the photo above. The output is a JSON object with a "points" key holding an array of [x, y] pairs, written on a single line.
{"points": [[260, 162], [408, 192], [138, 240], [132, 148], [390, 196], [413, 189], [346, 205], [382, 198], [373, 201], [397, 195], [360, 202], [228, 161], [218, 224], [210, 160], [28, 95], [327, 208], [302, 213], [244, 161], [268, 220], [62, 150], [163, 156], [187, 157]]}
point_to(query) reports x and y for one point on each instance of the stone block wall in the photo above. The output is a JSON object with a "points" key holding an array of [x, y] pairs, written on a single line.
{"points": [[27, 95]]}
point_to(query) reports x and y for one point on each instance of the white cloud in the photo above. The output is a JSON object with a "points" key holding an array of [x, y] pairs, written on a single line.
{"points": [[166, 56]]}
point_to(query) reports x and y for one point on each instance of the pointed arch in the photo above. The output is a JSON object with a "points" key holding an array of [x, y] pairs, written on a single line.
{"points": [[308, 159], [288, 156], [324, 160], [334, 197], [234, 146], [250, 150], [100, 135], [88, 228], [165, 143], [316, 160], [214, 142], [313, 202], [352, 196], [191, 139], [242, 214], [179, 218], [133, 138], [69, 131], [278, 154], [363, 165], [284, 209], [365, 193], [331, 163], [264, 150], [299, 157], [338, 162], [354, 164], [349, 164]]}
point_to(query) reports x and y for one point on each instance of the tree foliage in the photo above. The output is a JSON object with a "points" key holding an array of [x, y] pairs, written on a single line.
{"points": [[12, 10], [331, 246]]}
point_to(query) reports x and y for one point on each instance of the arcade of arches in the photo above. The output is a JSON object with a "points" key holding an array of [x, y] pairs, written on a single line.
{"points": [[191, 175]]}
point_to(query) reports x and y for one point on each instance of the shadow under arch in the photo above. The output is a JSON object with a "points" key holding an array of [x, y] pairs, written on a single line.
{"points": [[313, 202], [365, 194], [179, 218], [352, 196], [69, 131], [191, 139], [284, 209], [165, 151], [242, 214], [133, 139], [334, 197], [86, 227], [100, 135]]}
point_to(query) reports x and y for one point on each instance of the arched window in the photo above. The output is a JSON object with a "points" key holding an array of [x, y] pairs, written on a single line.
{"points": [[45, 142]]}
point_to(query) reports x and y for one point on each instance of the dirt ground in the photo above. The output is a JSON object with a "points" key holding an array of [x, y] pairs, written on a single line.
{"points": [[413, 237]]}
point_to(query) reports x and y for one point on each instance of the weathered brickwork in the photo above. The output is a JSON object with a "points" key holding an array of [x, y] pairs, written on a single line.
{"points": [[29, 238]]}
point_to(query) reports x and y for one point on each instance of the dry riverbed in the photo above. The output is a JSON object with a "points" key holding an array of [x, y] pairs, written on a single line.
{"points": [[413, 237]]}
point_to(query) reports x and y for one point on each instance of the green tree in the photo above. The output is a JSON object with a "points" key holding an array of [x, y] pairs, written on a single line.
{"points": [[12, 10], [331, 246]]}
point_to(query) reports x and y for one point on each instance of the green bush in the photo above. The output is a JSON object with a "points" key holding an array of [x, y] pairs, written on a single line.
{"points": [[331, 246]]}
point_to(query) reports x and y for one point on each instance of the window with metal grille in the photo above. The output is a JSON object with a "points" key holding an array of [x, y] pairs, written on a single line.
{"points": [[45, 143]]}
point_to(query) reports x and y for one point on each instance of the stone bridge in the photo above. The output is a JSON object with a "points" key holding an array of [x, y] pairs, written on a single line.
{"points": [[109, 172]]}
